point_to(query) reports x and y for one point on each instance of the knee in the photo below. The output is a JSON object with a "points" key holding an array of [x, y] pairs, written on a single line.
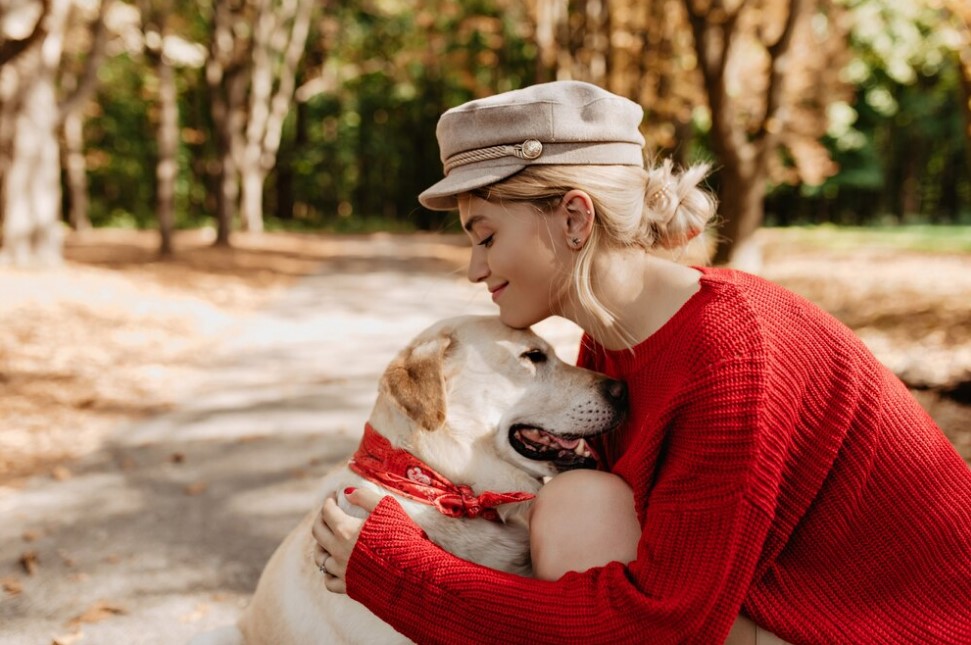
{"points": [[582, 519]]}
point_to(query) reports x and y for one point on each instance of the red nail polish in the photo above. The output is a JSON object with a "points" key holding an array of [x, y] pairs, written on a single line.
{"points": [[349, 490]]}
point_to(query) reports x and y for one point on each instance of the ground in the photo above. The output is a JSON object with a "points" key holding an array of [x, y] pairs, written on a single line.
{"points": [[109, 337]]}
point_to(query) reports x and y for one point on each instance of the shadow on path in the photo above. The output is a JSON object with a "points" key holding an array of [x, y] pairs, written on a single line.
{"points": [[164, 531]]}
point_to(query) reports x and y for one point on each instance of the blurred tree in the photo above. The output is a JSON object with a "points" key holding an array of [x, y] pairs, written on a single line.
{"points": [[166, 50], [754, 77], [32, 113], [902, 141], [27, 28], [770, 71], [961, 12], [255, 48], [77, 65]]}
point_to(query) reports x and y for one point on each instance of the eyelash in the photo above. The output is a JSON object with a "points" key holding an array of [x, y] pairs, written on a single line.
{"points": [[487, 242]]}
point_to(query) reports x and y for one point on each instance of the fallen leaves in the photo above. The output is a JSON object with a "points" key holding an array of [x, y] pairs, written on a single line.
{"points": [[196, 488], [99, 611], [29, 561], [11, 586]]}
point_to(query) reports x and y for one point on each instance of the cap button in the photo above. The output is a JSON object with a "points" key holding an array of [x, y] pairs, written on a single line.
{"points": [[531, 149]]}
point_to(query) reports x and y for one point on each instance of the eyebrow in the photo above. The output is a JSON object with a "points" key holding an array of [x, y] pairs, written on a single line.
{"points": [[475, 219]]}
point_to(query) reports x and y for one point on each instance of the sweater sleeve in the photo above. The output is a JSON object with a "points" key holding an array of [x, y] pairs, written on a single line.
{"points": [[696, 557]]}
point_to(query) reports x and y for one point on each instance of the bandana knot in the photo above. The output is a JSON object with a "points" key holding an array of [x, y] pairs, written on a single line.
{"points": [[378, 461]]}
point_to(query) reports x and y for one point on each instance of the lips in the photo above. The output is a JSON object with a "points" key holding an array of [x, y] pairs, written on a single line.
{"points": [[497, 290]]}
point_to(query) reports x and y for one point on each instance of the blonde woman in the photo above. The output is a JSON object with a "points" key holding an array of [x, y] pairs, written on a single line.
{"points": [[770, 469]]}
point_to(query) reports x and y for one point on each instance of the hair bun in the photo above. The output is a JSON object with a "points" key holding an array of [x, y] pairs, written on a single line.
{"points": [[676, 208]]}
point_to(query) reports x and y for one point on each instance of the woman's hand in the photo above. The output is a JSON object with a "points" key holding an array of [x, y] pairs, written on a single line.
{"points": [[336, 533]]}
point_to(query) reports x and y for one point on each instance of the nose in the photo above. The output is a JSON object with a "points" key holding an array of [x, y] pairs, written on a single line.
{"points": [[615, 392], [478, 267]]}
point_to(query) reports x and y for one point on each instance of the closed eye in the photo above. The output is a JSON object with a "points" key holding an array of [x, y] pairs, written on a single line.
{"points": [[534, 356]]}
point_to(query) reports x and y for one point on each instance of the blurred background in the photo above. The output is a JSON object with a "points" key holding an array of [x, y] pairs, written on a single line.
{"points": [[304, 115], [211, 242]]}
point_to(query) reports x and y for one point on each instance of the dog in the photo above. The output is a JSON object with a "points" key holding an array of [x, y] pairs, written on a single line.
{"points": [[475, 416]]}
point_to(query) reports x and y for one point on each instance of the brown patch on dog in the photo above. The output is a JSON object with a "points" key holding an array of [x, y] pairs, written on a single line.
{"points": [[415, 381]]}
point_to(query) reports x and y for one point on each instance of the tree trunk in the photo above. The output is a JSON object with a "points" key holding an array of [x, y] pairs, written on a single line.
{"points": [[741, 203], [31, 228], [964, 65], [742, 148], [32, 233], [279, 37], [167, 166], [227, 198], [76, 171], [251, 202]]}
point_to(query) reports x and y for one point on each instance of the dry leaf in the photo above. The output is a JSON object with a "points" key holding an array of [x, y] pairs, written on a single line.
{"points": [[196, 488], [177, 457], [101, 610], [66, 557], [196, 614], [61, 473], [11, 586], [29, 561], [68, 639], [31, 535]]}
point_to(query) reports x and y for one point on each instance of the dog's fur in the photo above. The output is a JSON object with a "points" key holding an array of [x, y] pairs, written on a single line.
{"points": [[455, 398]]}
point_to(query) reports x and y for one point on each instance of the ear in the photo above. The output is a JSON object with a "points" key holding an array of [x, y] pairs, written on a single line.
{"points": [[577, 218], [415, 381]]}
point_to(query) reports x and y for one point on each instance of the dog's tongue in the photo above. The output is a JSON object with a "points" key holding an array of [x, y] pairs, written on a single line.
{"points": [[541, 436], [569, 444]]}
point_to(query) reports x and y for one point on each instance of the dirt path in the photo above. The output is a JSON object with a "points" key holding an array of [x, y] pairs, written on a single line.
{"points": [[163, 530], [159, 514]]}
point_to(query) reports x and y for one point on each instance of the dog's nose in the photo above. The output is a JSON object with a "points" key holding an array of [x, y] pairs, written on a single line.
{"points": [[615, 391]]}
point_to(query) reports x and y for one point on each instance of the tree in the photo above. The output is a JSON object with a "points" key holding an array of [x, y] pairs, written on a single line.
{"points": [[762, 96], [961, 13], [256, 46], [755, 78], [31, 28], [31, 194], [165, 51]]}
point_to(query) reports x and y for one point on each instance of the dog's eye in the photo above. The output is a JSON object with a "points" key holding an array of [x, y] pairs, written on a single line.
{"points": [[534, 356]]}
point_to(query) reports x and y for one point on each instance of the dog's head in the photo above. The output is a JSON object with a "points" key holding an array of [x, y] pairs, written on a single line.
{"points": [[479, 401]]}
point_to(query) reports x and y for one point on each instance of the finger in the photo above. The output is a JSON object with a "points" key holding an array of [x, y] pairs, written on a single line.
{"points": [[322, 533], [320, 556], [336, 585], [366, 498]]}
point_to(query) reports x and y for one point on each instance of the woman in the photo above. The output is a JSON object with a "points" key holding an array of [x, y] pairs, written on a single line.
{"points": [[774, 468]]}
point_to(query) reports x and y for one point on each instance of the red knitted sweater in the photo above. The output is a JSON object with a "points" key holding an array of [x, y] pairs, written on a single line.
{"points": [[778, 469]]}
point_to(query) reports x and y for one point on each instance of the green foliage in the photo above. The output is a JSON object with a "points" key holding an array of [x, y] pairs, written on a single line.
{"points": [[919, 238], [120, 142], [900, 146], [358, 149]]}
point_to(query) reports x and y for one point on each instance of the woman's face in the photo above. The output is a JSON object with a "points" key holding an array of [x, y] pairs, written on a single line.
{"points": [[521, 255]]}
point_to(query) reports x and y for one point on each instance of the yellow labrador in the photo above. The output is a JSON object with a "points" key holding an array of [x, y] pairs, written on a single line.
{"points": [[469, 420]]}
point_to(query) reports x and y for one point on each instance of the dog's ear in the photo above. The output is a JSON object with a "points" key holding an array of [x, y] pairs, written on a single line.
{"points": [[415, 381]]}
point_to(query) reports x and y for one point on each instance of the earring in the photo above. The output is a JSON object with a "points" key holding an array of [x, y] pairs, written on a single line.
{"points": [[575, 243]]}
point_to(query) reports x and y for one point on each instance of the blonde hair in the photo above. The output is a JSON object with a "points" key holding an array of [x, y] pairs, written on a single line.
{"points": [[651, 209]]}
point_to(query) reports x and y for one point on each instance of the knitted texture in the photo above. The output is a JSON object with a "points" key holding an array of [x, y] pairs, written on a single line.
{"points": [[778, 469]]}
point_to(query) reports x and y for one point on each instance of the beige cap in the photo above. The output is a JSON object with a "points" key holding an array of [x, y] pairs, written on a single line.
{"points": [[559, 123]]}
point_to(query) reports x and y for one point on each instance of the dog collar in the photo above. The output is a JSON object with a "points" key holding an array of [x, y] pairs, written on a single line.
{"points": [[380, 462]]}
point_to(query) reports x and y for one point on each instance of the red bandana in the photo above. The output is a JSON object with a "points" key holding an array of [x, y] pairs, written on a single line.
{"points": [[380, 462]]}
